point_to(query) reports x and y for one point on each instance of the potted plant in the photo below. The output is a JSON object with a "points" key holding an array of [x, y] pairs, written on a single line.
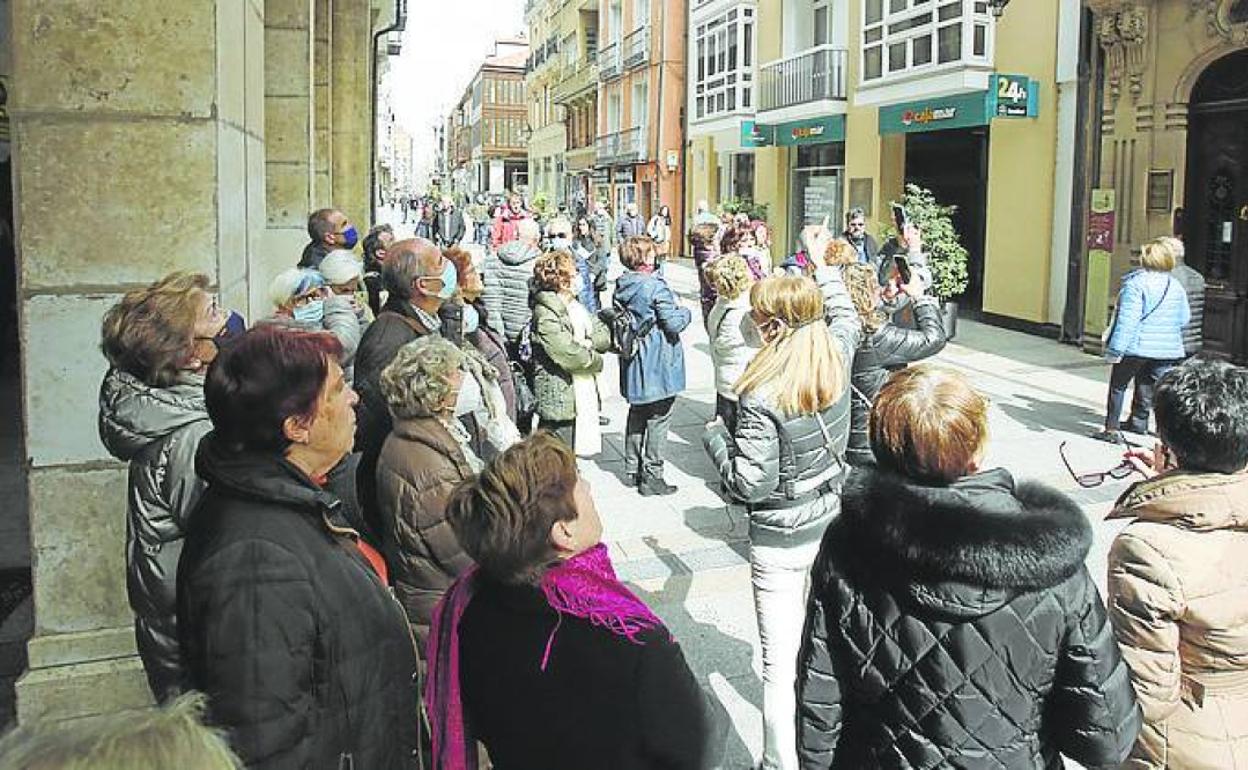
{"points": [[947, 256], [745, 206]]}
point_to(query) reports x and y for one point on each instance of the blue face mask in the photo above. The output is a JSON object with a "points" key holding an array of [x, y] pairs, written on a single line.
{"points": [[312, 312], [350, 236], [472, 319], [234, 327], [448, 278]]}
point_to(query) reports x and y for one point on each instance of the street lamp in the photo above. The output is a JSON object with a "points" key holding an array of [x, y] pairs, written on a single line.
{"points": [[526, 133], [998, 7]]}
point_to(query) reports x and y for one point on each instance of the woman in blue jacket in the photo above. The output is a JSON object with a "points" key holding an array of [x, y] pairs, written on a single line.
{"points": [[652, 378], [1146, 338]]}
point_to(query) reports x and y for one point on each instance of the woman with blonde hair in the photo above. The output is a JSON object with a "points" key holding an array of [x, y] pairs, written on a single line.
{"points": [[734, 337], [785, 460], [1145, 338]]}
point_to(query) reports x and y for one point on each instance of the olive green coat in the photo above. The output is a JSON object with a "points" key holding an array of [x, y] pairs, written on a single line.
{"points": [[557, 356]]}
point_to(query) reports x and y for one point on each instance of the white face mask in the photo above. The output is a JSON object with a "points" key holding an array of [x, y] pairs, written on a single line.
{"points": [[578, 285], [469, 399], [472, 319]]}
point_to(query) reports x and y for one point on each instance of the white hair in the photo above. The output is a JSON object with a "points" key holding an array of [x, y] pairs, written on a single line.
{"points": [[558, 224], [291, 283], [341, 266], [528, 230]]}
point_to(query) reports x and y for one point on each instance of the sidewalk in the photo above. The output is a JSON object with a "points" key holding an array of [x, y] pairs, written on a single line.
{"points": [[687, 554]]}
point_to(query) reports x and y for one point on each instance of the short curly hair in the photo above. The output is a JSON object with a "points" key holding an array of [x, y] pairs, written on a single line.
{"points": [[554, 270], [840, 253], [417, 383], [729, 276]]}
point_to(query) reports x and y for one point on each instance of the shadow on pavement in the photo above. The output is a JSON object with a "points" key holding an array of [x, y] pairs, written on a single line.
{"points": [[1040, 415], [669, 602]]}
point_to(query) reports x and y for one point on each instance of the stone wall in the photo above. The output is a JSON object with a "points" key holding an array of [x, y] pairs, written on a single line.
{"points": [[151, 137]]}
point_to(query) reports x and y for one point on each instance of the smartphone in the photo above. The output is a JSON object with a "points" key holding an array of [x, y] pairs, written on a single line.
{"points": [[900, 217], [903, 269]]}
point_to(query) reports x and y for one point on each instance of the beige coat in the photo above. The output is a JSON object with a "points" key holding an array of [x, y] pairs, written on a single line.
{"points": [[1178, 600]]}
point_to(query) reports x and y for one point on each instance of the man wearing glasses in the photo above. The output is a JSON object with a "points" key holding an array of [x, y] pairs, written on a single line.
{"points": [[858, 237]]}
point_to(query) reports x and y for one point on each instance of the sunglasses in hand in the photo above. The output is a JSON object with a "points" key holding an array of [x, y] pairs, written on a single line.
{"points": [[1096, 478]]}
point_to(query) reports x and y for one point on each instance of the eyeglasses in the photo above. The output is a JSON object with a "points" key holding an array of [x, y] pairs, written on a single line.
{"points": [[1096, 478]]}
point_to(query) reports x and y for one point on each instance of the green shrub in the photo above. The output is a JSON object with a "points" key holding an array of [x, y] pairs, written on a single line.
{"points": [[947, 257]]}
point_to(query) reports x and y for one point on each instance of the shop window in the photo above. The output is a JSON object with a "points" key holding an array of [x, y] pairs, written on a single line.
{"points": [[724, 63], [898, 36]]}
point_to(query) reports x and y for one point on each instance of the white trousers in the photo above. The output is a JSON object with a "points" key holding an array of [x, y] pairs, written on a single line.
{"points": [[780, 579]]}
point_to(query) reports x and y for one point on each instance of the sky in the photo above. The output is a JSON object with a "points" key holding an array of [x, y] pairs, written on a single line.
{"points": [[444, 44]]}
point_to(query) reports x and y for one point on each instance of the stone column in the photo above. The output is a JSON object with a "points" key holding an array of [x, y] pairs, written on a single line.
{"points": [[135, 131], [288, 138], [351, 121], [323, 110]]}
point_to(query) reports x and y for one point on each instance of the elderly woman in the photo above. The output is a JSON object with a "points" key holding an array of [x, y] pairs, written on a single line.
{"points": [[427, 453], [734, 336], [284, 614], [344, 277], [952, 622], [543, 635], [568, 343], [1145, 339], [468, 321], [159, 341], [302, 300]]}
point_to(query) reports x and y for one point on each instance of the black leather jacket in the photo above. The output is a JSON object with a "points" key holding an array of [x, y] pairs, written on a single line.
{"points": [[891, 347]]}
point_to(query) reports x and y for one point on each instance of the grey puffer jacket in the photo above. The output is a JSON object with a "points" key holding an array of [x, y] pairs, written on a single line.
{"points": [[342, 319], [506, 276], [156, 431], [783, 466]]}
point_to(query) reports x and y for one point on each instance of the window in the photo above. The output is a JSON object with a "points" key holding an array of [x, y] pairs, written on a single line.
{"points": [[641, 102], [724, 63], [641, 13], [823, 22], [903, 36]]}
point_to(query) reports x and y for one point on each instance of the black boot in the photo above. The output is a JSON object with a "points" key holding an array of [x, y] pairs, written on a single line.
{"points": [[650, 486]]}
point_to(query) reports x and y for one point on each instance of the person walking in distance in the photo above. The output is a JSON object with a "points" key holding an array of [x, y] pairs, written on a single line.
{"points": [[651, 379], [660, 231], [631, 225]]}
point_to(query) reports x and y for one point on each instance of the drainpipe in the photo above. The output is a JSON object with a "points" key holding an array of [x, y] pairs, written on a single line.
{"points": [[658, 124], [398, 25], [684, 139]]}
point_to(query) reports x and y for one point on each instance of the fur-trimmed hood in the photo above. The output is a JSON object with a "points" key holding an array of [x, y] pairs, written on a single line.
{"points": [[968, 547]]}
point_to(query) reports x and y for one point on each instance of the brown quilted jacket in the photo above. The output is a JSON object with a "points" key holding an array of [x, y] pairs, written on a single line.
{"points": [[420, 464], [1178, 600]]}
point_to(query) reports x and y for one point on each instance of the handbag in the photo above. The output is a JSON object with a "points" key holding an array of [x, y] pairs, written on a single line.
{"points": [[1113, 318], [526, 402]]}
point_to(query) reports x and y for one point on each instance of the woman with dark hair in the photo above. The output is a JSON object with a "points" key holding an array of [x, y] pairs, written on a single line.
{"points": [[591, 242], [540, 652], [285, 617], [952, 622], [660, 231], [1177, 576], [467, 320], [159, 342]]}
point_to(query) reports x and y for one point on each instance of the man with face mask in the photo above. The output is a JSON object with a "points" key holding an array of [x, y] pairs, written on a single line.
{"points": [[559, 238], [328, 229], [419, 280], [448, 226]]}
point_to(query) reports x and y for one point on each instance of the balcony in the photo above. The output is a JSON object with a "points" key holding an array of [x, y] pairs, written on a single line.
{"points": [[609, 61], [577, 83], [627, 146], [813, 75], [637, 48]]}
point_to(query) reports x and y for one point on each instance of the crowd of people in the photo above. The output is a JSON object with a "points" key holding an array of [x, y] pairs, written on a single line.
{"points": [[357, 527]]}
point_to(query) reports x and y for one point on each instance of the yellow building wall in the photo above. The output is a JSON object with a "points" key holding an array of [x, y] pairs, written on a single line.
{"points": [[703, 176], [1022, 154], [771, 164]]}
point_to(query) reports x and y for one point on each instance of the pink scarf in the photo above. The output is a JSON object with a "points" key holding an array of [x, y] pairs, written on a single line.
{"points": [[584, 586]]}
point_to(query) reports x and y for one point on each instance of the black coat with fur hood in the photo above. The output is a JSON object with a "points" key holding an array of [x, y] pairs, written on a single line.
{"points": [[956, 626]]}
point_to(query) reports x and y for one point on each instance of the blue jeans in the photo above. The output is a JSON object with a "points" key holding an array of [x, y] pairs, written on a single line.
{"points": [[1146, 372]]}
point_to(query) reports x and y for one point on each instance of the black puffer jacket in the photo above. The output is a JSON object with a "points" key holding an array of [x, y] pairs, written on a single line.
{"points": [[956, 626], [303, 652], [889, 348], [156, 431]]}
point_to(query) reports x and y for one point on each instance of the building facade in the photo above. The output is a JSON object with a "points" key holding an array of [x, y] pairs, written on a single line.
{"points": [[545, 124], [487, 147], [641, 95], [1169, 153], [197, 140], [839, 103]]}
